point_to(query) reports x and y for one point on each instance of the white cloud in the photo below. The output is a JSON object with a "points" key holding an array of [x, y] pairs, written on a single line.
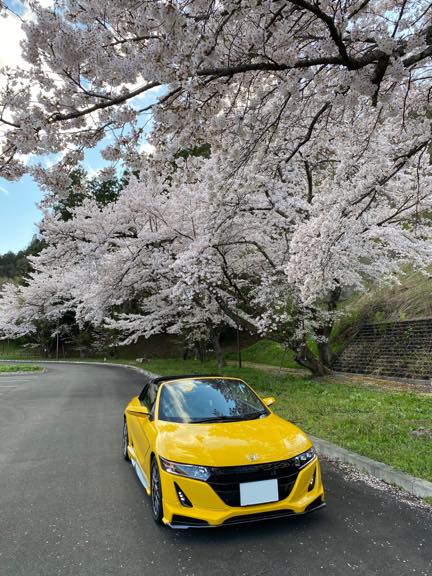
{"points": [[46, 3], [4, 191], [147, 148], [11, 35]]}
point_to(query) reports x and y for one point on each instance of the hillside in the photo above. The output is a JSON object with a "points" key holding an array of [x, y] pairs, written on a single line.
{"points": [[410, 299], [13, 266]]}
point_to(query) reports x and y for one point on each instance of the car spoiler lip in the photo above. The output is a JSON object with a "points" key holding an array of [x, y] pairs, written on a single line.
{"points": [[249, 520]]}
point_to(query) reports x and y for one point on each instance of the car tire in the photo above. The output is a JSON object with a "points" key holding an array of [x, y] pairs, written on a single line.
{"points": [[125, 441], [156, 493]]}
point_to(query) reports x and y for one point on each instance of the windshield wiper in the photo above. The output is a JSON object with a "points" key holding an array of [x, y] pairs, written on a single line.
{"points": [[219, 419], [251, 416]]}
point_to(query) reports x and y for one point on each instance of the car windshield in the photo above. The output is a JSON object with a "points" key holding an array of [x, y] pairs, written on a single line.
{"points": [[209, 400]]}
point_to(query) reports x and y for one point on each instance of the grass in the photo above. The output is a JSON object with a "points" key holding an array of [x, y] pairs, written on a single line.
{"points": [[267, 352], [6, 368], [428, 499], [388, 426]]}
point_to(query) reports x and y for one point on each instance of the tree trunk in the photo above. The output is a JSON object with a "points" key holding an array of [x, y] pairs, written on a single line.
{"points": [[215, 338], [324, 352], [186, 353], [305, 357], [201, 348]]}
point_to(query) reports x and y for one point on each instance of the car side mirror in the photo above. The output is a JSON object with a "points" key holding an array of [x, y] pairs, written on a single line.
{"points": [[137, 411], [269, 400]]}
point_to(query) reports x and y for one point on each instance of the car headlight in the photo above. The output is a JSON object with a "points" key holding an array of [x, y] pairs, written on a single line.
{"points": [[305, 457], [188, 470]]}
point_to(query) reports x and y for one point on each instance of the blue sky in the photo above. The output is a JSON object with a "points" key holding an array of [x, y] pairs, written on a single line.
{"points": [[19, 212]]}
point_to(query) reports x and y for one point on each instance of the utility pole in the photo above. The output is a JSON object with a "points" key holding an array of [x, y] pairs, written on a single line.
{"points": [[57, 343]]}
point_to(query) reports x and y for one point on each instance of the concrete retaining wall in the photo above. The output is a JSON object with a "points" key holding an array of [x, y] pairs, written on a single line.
{"points": [[400, 349]]}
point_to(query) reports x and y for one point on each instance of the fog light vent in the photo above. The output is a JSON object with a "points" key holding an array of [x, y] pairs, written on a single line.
{"points": [[183, 499], [312, 481]]}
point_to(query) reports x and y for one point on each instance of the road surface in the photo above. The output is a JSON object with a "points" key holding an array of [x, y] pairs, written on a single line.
{"points": [[70, 505]]}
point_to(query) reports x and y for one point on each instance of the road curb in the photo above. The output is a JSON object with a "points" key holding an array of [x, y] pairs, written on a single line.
{"points": [[21, 373], [416, 486], [146, 373]]}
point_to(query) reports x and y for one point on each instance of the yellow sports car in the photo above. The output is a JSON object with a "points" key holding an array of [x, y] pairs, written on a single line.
{"points": [[210, 452]]}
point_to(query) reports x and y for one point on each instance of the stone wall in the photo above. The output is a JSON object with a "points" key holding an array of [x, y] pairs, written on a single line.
{"points": [[402, 349]]}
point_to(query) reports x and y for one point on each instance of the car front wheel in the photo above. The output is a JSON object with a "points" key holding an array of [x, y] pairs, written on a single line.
{"points": [[156, 493], [125, 441]]}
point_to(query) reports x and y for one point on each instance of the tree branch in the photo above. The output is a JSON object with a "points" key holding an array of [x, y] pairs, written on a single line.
{"points": [[329, 22]]}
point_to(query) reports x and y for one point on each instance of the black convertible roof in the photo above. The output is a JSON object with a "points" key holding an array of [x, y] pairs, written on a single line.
{"points": [[161, 379], [156, 382]]}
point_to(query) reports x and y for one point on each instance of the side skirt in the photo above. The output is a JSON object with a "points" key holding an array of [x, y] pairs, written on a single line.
{"points": [[138, 470]]}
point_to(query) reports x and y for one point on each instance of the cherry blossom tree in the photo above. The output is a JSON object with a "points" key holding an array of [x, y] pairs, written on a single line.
{"points": [[316, 120]]}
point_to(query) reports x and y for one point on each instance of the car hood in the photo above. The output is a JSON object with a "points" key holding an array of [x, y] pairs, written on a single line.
{"points": [[232, 443]]}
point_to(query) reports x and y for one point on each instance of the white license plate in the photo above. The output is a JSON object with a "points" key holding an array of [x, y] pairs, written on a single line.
{"points": [[259, 492]]}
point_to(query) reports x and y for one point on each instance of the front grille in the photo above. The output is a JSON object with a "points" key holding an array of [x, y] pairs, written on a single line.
{"points": [[226, 481], [259, 516]]}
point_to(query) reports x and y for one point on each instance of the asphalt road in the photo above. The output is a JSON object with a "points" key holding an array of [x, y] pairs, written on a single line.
{"points": [[70, 505]]}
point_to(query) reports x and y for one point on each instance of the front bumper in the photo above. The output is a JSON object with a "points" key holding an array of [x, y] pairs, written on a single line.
{"points": [[208, 509]]}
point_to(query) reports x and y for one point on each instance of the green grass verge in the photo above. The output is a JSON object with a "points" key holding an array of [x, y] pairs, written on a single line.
{"points": [[391, 427], [6, 368], [267, 352], [428, 499]]}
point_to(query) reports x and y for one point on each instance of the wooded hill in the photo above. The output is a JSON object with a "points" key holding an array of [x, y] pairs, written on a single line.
{"points": [[13, 266]]}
